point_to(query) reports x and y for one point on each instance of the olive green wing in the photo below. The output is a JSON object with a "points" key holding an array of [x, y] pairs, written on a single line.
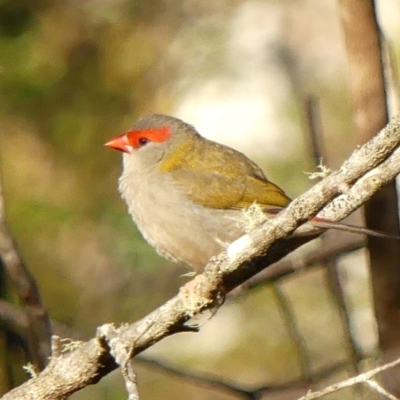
{"points": [[263, 192], [226, 179], [216, 190]]}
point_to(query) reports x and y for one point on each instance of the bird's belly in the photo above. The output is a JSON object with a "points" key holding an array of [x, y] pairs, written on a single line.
{"points": [[181, 230], [192, 236]]}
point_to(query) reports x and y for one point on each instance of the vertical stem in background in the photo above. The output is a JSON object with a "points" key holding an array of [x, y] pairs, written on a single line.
{"points": [[367, 82], [332, 266], [5, 370], [381, 212], [38, 335]]}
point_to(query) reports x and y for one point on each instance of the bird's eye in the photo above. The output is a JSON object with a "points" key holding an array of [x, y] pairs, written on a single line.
{"points": [[142, 141]]}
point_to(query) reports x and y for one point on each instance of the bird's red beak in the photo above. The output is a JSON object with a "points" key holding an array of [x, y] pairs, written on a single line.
{"points": [[120, 143]]}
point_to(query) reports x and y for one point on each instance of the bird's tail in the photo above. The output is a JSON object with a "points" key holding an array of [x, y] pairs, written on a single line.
{"points": [[320, 223], [341, 226]]}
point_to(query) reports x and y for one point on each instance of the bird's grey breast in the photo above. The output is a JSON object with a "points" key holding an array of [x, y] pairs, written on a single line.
{"points": [[178, 228]]}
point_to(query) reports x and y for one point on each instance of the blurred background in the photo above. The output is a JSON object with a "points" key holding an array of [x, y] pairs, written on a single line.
{"points": [[74, 74]]}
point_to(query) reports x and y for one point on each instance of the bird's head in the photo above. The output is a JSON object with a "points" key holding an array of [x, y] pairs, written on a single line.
{"points": [[152, 139]]}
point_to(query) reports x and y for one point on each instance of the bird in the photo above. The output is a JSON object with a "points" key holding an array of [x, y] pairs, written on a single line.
{"points": [[188, 195]]}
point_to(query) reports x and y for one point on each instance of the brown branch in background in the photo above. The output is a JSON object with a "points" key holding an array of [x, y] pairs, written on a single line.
{"points": [[370, 113], [13, 318], [38, 335], [6, 375], [315, 129], [295, 264], [335, 285], [363, 43], [222, 385], [333, 277], [244, 258], [205, 380], [289, 320]]}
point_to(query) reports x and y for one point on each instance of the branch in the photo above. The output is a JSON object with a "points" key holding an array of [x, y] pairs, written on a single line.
{"points": [[251, 392], [292, 264], [244, 258], [362, 378], [14, 318], [38, 336]]}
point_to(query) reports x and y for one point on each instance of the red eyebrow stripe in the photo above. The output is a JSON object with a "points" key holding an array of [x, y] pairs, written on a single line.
{"points": [[157, 135]]}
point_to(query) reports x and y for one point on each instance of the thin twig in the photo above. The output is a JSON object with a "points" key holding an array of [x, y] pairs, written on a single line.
{"points": [[130, 380], [220, 384], [289, 319], [362, 378], [378, 388], [338, 294], [334, 284], [314, 129]]}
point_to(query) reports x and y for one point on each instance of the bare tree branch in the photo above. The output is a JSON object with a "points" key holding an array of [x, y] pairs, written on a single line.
{"points": [[362, 378], [223, 385], [14, 318], [38, 336], [290, 322], [333, 277], [243, 258], [293, 264]]}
